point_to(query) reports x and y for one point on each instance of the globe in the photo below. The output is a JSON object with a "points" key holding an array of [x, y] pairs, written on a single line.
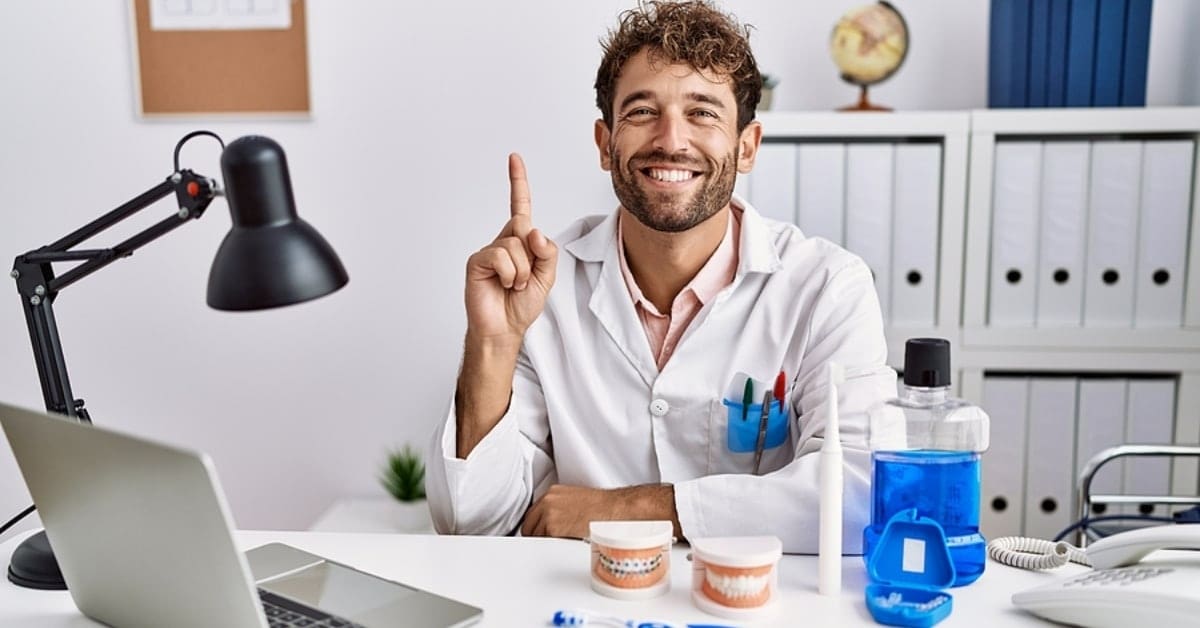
{"points": [[868, 45]]}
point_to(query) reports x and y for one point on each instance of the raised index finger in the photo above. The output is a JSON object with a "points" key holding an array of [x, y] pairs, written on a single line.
{"points": [[518, 187]]}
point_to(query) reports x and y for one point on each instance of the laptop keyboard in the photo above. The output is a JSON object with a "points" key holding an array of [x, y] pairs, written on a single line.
{"points": [[282, 612]]}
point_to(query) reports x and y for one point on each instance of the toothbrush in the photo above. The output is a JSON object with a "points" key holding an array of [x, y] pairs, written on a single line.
{"points": [[585, 618], [829, 556]]}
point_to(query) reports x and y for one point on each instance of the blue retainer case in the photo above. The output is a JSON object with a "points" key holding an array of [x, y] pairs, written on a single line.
{"points": [[909, 568], [743, 434]]}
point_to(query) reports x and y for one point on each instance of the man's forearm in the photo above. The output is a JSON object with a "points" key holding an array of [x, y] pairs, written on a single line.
{"points": [[566, 511], [484, 389]]}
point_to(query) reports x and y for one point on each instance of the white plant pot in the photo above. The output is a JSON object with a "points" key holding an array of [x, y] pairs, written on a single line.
{"points": [[413, 517]]}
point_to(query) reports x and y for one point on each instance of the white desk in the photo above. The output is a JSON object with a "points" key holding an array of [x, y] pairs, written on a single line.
{"points": [[522, 581]]}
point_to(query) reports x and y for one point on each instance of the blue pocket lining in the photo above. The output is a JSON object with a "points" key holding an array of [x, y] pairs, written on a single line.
{"points": [[743, 435]]}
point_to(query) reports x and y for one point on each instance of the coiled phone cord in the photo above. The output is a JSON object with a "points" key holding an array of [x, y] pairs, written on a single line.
{"points": [[1027, 553]]}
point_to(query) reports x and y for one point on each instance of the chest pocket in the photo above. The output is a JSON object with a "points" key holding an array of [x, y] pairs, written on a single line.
{"points": [[732, 440]]}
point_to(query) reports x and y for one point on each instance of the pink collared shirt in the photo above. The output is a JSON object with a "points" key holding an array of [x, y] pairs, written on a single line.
{"points": [[664, 330]]}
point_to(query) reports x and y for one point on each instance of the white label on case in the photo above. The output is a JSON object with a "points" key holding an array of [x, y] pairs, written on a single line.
{"points": [[913, 560]]}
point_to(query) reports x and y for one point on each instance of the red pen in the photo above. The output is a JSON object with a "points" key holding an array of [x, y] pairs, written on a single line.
{"points": [[780, 382]]}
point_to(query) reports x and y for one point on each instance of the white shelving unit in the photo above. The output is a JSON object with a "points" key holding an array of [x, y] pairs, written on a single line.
{"points": [[951, 131], [969, 141], [1171, 352], [1136, 350]]}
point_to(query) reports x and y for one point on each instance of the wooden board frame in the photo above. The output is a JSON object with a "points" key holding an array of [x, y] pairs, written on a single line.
{"points": [[181, 72]]}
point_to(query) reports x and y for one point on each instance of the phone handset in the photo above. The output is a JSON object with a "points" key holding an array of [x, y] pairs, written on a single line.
{"points": [[1117, 550], [1131, 547]]}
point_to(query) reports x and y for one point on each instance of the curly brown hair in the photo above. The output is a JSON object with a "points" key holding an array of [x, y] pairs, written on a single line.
{"points": [[693, 32]]}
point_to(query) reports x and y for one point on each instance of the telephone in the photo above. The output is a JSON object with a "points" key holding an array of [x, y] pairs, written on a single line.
{"points": [[1123, 591]]}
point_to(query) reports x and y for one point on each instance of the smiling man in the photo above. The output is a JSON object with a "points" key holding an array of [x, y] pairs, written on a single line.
{"points": [[608, 397]]}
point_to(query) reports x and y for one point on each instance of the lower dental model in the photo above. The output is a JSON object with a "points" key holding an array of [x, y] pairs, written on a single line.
{"points": [[737, 587], [630, 569]]}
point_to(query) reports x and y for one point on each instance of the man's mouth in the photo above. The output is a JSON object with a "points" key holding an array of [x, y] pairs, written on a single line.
{"points": [[669, 175]]}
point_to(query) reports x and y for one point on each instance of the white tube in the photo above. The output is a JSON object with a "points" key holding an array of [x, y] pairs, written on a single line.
{"points": [[829, 556]]}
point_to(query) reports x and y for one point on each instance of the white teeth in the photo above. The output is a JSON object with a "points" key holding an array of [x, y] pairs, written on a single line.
{"points": [[628, 567], [735, 587], [670, 175]]}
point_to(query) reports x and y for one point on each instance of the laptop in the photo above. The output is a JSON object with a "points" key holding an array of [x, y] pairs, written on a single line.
{"points": [[143, 536]]}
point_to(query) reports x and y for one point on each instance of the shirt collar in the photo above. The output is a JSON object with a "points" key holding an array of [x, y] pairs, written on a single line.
{"points": [[718, 271]]}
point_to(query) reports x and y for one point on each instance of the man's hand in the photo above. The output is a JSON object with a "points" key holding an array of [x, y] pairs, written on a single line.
{"points": [[565, 511], [509, 279], [507, 285]]}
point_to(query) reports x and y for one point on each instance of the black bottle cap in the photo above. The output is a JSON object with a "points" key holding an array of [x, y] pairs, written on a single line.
{"points": [[927, 362]]}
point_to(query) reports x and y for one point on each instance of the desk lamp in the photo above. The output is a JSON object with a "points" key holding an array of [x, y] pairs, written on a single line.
{"points": [[269, 258]]}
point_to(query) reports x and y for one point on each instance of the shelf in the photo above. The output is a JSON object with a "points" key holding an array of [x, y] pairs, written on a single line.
{"points": [[1098, 121], [1077, 361], [785, 125], [1146, 340]]}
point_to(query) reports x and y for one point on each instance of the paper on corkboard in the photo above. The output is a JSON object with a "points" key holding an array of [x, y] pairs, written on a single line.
{"points": [[222, 71]]}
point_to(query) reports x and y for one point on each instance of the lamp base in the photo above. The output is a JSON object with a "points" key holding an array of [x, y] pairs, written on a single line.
{"points": [[34, 566]]}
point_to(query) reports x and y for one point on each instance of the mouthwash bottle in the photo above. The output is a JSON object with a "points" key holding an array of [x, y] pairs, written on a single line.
{"points": [[930, 461]]}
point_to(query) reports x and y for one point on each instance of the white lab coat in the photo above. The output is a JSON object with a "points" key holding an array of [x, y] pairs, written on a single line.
{"points": [[590, 408]]}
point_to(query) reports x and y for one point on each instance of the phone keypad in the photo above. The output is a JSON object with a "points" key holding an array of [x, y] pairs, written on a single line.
{"points": [[1121, 577]]}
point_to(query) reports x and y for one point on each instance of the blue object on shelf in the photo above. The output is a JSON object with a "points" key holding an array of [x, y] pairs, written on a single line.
{"points": [[909, 570], [1110, 52], [1039, 52], [1056, 55], [1008, 53], [1137, 53], [1068, 53], [1081, 50]]}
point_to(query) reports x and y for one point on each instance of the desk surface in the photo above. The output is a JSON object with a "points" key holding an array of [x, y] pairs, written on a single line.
{"points": [[522, 581]]}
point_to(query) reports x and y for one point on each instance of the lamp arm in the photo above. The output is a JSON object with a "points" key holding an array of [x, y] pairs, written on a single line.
{"points": [[38, 286]]}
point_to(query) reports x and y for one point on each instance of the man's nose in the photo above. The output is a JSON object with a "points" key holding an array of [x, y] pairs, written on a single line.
{"points": [[671, 134]]}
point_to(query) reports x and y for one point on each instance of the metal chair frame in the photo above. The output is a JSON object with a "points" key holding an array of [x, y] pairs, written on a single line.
{"points": [[1086, 500]]}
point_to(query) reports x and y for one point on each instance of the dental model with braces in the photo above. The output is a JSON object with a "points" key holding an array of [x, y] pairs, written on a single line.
{"points": [[630, 559], [629, 567]]}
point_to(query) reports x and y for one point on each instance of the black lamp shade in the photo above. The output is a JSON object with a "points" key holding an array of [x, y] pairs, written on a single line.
{"points": [[270, 257]]}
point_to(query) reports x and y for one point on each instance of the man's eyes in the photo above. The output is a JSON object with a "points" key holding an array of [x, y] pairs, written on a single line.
{"points": [[645, 112]]}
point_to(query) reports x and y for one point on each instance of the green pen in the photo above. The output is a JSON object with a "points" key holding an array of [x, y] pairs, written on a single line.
{"points": [[747, 397]]}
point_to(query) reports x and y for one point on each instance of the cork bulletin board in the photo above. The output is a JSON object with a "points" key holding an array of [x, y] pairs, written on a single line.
{"points": [[222, 71]]}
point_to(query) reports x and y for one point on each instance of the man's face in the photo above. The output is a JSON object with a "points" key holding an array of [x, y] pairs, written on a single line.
{"points": [[674, 149]]}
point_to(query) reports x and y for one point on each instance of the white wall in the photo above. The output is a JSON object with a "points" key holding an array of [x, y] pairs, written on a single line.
{"points": [[415, 106]]}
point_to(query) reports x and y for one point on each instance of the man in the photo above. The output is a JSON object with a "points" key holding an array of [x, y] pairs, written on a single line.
{"points": [[603, 399]]}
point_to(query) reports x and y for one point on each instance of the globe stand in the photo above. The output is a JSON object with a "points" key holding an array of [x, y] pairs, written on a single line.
{"points": [[863, 103]]}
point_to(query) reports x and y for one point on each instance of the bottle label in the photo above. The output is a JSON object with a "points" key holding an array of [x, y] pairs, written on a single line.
{"points": [[965, 539]]}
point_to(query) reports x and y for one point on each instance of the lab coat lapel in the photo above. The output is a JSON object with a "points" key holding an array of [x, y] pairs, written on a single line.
{"points": [[610, 301], [757, 254]]}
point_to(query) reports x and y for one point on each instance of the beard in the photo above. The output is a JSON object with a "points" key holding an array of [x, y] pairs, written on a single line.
{"points": [[671, 212]]}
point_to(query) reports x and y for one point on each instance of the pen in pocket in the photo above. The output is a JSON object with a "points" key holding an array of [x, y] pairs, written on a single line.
{"points": [[747, 397], [761, 442]]}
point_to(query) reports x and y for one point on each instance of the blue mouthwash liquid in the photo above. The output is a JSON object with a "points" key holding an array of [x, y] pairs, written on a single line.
{"points": [[941, 485]]}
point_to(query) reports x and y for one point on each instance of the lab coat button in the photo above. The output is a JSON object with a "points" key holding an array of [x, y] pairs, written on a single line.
{"points": [[659, 407]]}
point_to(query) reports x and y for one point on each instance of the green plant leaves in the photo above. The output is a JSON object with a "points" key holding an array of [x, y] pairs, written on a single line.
{"points": [[404, 475]]}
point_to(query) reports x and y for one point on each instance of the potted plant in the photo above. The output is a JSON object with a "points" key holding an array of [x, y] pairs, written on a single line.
{"points": [[404, 479], [768, 88]]}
